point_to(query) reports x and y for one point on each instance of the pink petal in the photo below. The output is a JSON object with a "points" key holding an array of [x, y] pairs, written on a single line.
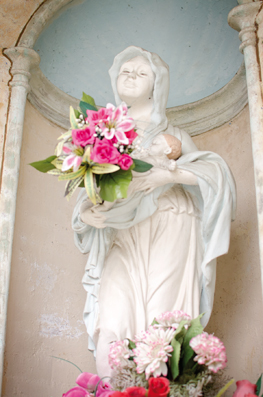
{"points": [[77, 162], [66, 149], [117, 115], [121, 137], [124, 108], [68, 162], [76, 392], [109, 134], [88, 380], [110, 106], [126, 124]]}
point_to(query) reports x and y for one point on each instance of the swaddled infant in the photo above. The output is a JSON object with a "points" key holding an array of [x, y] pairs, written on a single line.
{"points": [[163, 152]]}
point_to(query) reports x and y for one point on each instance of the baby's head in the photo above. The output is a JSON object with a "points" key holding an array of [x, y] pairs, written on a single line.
{"points": [[167, 144]]}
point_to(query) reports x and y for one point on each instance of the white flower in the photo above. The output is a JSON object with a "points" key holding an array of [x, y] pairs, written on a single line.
{"points": [[119, 354], [173, 319], [152, 351]]}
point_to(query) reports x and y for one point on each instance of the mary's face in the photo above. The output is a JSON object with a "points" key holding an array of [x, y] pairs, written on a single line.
{"points": [[135, 80]]}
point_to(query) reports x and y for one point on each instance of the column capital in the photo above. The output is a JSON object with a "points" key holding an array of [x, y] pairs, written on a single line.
{"points": [[243, 19], [23, 61]]}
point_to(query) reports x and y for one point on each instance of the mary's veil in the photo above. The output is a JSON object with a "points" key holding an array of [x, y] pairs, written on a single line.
{"points": [[160, 92]]}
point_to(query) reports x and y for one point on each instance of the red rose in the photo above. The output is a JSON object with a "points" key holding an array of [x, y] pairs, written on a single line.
{"points": [[125, 161], [158, 387], [244, 387], [135, 391], [131, 135], [118, 394], [83, 137], [104, 152]]}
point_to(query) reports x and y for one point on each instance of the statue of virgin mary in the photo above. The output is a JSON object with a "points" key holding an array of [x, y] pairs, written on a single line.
{"points": [[156, 250]]}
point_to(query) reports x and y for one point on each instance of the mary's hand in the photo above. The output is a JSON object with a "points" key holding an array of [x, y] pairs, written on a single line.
{"points": [[150, 180], [91, 215]]}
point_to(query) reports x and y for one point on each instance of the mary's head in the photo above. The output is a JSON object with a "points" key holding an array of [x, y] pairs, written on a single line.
{"points": [[138, 77]]}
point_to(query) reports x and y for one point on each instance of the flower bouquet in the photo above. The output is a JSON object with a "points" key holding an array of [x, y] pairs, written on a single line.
{"points": [[173, 356], [96, 152]]}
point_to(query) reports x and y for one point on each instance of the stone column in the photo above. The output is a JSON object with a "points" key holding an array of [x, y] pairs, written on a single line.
{"points": [[245, 18], [23, 60]]}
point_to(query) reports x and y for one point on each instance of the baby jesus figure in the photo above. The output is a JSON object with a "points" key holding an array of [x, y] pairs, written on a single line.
{"points": [[163, 152]]}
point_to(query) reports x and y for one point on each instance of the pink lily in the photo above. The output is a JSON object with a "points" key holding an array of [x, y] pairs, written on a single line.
{"points": [[73, 160], [118, 124]]}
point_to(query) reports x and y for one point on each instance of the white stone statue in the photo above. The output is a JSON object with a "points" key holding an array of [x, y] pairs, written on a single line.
{"points": [[156, 250]]}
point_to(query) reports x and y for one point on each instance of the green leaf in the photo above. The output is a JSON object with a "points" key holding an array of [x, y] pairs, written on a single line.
{"points": [[72, 185], [63, 359], [258, 384], [194, 329], [57, 162], [104, 168], [55, 172], [154, 322], [224, 389], [181, 330], [89, 185], [141, 166], [72, 175], [66, 134], [77, 113], [88, 99], [131, 344], [115, 186], [44, 165], [86, 106], [175, 357], [72, 118]]}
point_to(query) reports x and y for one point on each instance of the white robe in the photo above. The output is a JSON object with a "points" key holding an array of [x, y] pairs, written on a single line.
{"points": [[157, 252]]}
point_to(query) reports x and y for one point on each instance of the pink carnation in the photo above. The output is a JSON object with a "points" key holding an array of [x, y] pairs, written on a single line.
{"points": [[83, 136], [210, 351], [104, 152], [125, 161], [173, 319], [119, 353]]}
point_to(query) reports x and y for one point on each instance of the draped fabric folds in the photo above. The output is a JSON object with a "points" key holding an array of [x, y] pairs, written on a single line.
{"points": [[213, 198]]}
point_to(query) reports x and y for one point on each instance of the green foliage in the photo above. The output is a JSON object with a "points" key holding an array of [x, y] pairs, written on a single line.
{"points": [[72, 185], [131, 344], [141, 166], [259, 385], [115, 186], [194, 330], [77, 113], [89, 185], [175, 358], [86, 106], [88, 99], [72, 175], [72, 118], [44, 165]]}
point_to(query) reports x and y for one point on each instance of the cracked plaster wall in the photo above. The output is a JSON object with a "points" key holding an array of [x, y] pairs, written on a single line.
{"points": [[46, 296]]}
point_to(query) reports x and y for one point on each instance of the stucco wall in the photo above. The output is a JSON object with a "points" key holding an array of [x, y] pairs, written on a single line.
{"points": [[46, 295]]}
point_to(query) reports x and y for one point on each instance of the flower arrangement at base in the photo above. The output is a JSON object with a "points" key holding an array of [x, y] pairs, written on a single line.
{"points": [[173, 356], [175, 347], [96, 152]]}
